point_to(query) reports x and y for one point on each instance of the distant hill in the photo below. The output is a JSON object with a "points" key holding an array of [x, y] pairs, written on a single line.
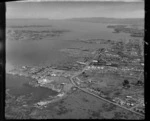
{"points": [[110, 20], [28, 21], [133, 21]]}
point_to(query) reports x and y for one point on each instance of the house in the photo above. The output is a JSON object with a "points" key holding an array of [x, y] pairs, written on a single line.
{"points": [[24, 67], [53, 74], [122, 102]]}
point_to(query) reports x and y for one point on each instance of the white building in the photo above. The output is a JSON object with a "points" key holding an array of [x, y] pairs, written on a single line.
{"points": [[44, 81], [42, 103], [61, 94], [95, 61]]}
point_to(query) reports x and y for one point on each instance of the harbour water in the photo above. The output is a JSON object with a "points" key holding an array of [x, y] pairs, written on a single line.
{"points": [[48, 49]]}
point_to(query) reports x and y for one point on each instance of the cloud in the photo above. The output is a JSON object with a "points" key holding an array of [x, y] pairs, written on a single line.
{"points": [[85, 0]]}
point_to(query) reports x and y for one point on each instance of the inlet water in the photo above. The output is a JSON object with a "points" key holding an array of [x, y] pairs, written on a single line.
{"points": [[18, 86]]}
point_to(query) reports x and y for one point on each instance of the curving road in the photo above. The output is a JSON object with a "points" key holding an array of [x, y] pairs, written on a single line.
{"points": [[76, 74]]}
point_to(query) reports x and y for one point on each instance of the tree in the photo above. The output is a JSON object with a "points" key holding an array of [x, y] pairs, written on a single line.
{"points": [[125, 83], [139, 82], [84, 74]]}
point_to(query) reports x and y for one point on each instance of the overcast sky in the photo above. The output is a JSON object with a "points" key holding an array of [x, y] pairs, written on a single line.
{"points": [[62, 10]]}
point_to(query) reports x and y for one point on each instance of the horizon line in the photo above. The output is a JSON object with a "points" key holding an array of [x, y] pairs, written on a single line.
{"points": [[78, 18], [81, 1]]}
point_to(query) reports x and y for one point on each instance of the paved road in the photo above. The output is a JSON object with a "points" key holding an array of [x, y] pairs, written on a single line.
{"points": [[76, 74]]}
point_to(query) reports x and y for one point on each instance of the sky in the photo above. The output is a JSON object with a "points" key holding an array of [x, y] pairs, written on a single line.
{"points": [[65, 10]]}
